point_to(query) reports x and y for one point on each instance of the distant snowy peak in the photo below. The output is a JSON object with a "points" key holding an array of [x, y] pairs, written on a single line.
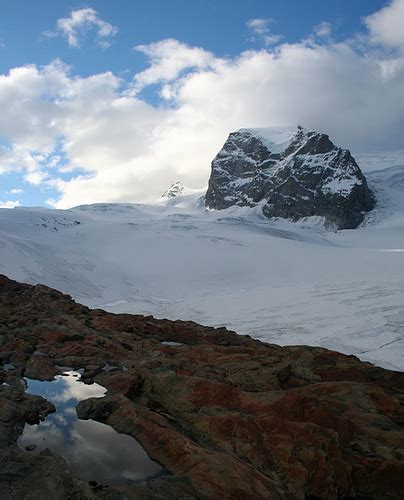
{"points": [[293, 173], [180, 196], [176, 189]]}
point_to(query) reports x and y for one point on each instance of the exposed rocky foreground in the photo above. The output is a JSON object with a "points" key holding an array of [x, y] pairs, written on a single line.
{"points": [[227, 416], [292, 173]]}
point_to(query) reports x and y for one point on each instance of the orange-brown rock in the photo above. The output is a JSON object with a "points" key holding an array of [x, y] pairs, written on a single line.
{"points": [[227, 416]]}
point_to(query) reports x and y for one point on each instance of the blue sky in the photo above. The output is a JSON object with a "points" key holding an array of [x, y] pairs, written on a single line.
{"points": [[215, 25], [105, 122]]}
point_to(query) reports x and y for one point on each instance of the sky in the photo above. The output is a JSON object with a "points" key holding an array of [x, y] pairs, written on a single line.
{"points": [[113, 101]]}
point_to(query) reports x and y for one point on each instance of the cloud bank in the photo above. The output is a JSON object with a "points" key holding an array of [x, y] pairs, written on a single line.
{"points": [[96, 139]]}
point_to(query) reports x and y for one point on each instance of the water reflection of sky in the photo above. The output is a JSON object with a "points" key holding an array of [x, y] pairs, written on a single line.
{"points": [[94, 450]]}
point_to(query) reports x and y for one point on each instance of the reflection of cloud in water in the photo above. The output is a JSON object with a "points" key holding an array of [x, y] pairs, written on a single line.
{"points": [[64, 388], [94, 450]]}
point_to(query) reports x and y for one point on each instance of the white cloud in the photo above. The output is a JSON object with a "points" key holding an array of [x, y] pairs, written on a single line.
{"points": [[260, 28], [168, 60], [386, 25], [272, 39], [16, 191], [129, 150], [10, 204], [35, 178], [17, 158], [323, 30], [80, 22], [27, 99]]}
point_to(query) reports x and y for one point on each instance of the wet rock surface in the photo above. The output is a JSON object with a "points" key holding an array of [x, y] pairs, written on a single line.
{"points": [[227, 416]]}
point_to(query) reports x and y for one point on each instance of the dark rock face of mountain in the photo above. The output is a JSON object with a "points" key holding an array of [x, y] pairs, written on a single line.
{"points": [[225, 415], [291, 173]]}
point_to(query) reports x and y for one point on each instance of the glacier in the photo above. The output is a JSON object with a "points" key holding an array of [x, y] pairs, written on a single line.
{"points": [[279, 281]]}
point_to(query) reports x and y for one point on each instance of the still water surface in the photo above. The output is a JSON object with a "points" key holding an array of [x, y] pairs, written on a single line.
{"points": [[94, 450]]}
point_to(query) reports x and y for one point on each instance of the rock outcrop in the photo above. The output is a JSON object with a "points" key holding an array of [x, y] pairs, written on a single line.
{"points": [[176, 189], [227, 416], [291, 173]]}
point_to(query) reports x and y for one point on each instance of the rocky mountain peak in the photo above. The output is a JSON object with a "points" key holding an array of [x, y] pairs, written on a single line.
{"points": [[293, 173], [175, 189]]}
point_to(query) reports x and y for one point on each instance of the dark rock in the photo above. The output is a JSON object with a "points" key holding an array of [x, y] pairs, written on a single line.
{"points": [[37, 410], [38, 476], [96, 410], [30, 447], [291, 173], [40, 367], [284, 374]]}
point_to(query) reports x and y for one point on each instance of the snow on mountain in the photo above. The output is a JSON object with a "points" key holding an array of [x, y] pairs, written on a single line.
{"points": [[282, 282], [292, 173], [182, 197], [175, 189], [275, 139]]}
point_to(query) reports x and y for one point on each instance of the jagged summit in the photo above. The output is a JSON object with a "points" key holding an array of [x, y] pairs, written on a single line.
{"points": [[294, 173], [175, 189]]}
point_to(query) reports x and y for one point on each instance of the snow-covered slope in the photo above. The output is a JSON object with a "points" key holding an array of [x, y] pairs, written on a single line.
{"points": [[282, 282]]}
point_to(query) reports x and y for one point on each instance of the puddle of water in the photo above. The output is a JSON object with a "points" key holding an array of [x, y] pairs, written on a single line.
{"points": [[94, 450]]}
